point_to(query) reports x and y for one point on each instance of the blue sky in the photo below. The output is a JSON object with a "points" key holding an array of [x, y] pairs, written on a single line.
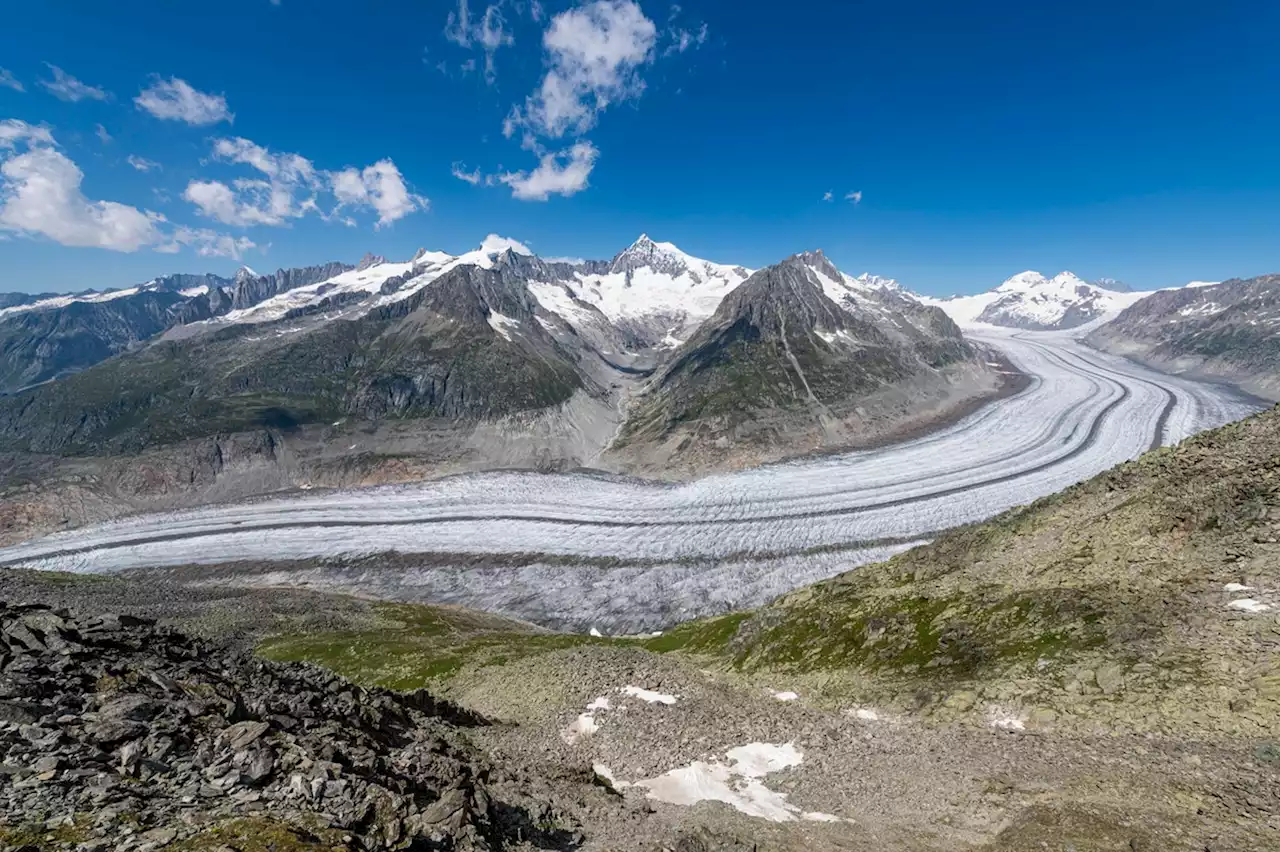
{"points": [[1120, 139]]}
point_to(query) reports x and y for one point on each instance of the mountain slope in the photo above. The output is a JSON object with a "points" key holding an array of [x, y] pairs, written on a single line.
{"points": [[48, 337], [802, 357], [466, 348], [1223, 332], [1143, 599]]}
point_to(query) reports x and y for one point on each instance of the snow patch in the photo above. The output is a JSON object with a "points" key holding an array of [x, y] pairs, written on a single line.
{"points": [[502, 324], [1004, 720], [1204, 310], [1249, 605], [785, 696], [863, 714], [736, 781], [581, 728], [1237, 587], [649, 695]]}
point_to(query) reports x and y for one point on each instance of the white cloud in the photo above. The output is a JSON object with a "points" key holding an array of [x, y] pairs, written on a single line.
{"points": [[594, 53], [9, 81], [488, 32], [65, 87], [102, 134], [854, 197], [207, 243], [564, 173], [40, 196], [292, 186], [473, 177], [287, 193], [379, 186], [827, 196], [176, 100], [13, 131], [142, 164]]}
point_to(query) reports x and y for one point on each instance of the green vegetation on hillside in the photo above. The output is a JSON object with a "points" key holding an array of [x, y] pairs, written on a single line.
{"points": [[416, 645]]}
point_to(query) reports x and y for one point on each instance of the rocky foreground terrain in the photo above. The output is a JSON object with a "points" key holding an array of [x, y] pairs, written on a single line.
{"points": [[116, 734]]}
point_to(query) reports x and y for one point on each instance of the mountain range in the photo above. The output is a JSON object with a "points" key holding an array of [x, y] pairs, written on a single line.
{"points": [[654, 362], [1031, 301]]}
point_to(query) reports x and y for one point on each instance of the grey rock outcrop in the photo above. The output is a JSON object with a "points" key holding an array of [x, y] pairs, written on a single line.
{"points": [[160, 738], [250, 290]]}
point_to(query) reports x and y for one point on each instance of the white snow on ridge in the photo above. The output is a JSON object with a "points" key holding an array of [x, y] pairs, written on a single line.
{"points": [[1032, 297], [682, 287], [425, 268], [63, 301]]}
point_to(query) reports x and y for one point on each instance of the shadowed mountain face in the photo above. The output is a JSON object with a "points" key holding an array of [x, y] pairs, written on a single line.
{"points": [[1226, 332], [467, 347], [49, 336], [799, 340]]}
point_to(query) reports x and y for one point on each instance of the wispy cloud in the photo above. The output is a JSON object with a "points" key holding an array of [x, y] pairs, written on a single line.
{"points": [[594, 56], [177, 100], [103, 136], [65, 87], [142, 164], [207, 243], [827, 196], [854, 197], [489, 32], [8, 81], [678, 38], [473, 177]]}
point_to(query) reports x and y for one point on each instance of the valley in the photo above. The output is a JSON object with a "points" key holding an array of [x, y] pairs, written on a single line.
{"points": [[590, 550]]}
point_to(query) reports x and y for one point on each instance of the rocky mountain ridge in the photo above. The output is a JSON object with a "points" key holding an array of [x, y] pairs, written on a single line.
{"points": [[47, 338], [1222, 332], [801, 348]]}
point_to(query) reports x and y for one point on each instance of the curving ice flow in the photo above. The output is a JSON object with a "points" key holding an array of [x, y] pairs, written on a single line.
{"points": [[1082, 413]]}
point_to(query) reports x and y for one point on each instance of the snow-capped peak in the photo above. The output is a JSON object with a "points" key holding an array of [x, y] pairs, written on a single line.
{"points": [[1032, 281], [245, 273], [644, 253], [878, 282]]}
